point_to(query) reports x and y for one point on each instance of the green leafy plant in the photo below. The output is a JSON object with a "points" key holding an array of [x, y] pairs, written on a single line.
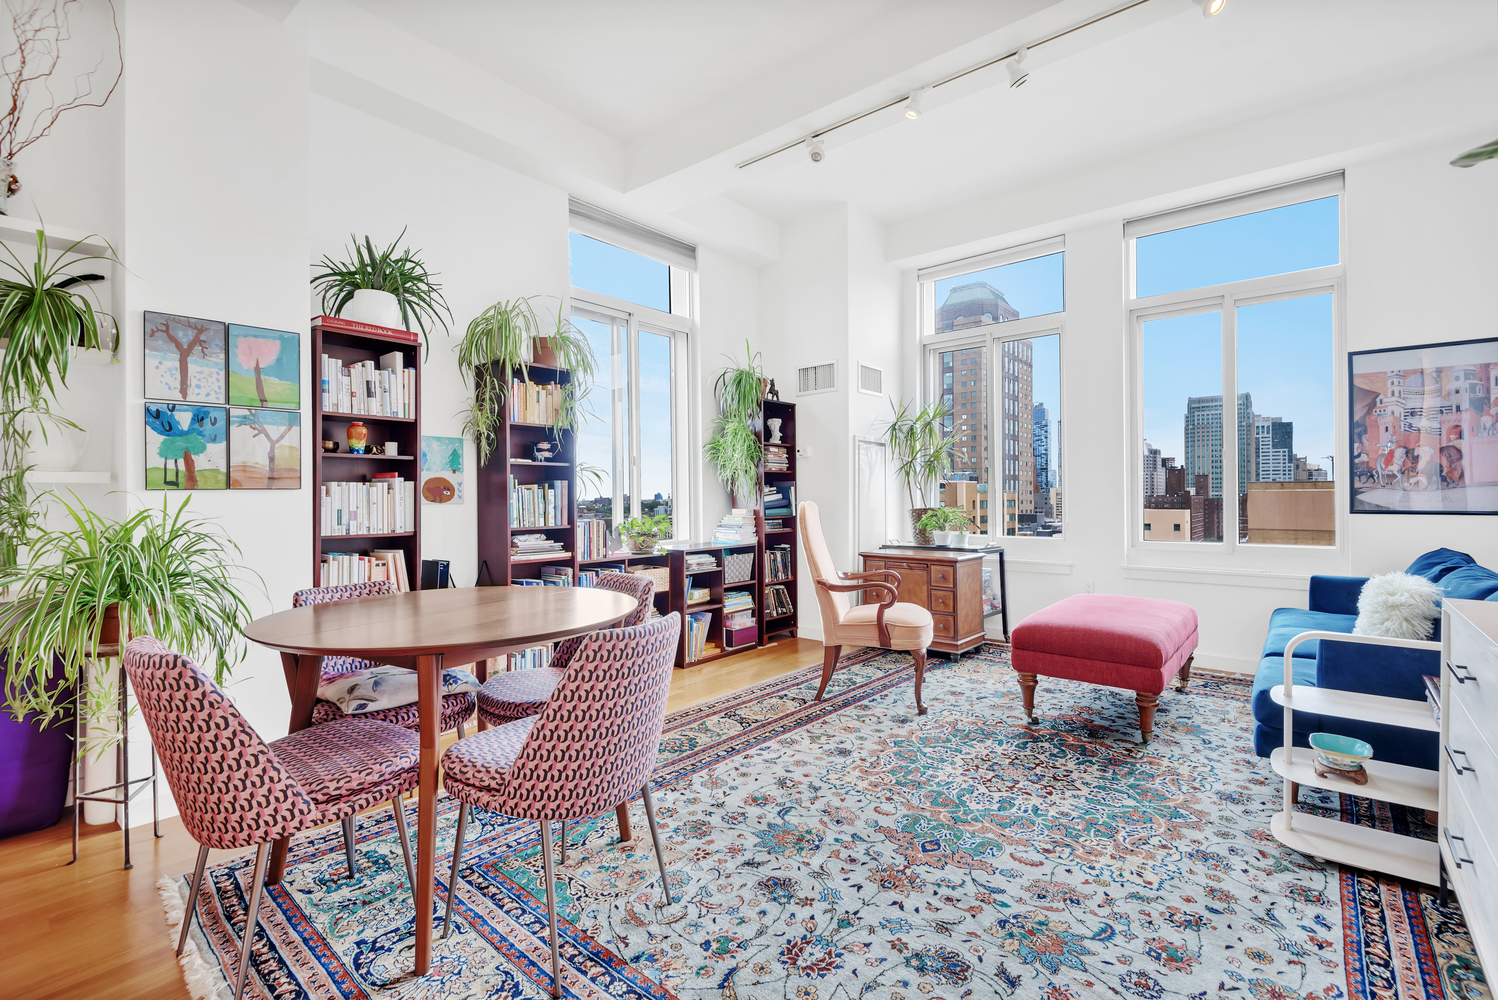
{"points": [[945, 519], [651, 526], [167, 573], [734, 450], [1472, 157], [917, 441], [43, 321], [401, 273]]}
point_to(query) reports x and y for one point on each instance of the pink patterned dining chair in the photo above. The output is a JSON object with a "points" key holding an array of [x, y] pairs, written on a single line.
{"points": [[590, 748], [456, 708], [236, 790]]}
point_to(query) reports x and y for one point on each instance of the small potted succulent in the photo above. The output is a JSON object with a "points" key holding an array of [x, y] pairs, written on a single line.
{"points": [[641, 534]]}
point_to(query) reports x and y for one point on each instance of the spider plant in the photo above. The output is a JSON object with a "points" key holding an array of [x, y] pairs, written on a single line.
{"points": [[42, 322], [401, 273], [734, 450], [739, 388], [168, 574], [1476, 155]]}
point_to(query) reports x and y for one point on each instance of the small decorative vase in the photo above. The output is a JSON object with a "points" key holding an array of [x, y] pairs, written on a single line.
{"points": [[358, 438], [774, 424], [370, 305]]}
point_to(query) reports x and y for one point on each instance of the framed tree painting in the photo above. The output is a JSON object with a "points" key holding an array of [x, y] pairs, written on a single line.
{"points": [[265, 449], [185, 358], [441, 471], [186, 447], [1424, 429], [265, 367]]}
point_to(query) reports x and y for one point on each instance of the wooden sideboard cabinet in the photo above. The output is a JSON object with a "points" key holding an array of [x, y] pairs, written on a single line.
{"points": [[946, 582]]}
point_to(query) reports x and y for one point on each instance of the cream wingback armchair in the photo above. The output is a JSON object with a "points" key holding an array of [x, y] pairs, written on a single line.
{"points": [[886, 625]]}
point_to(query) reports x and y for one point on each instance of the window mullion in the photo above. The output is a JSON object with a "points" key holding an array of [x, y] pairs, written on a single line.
{"points": [[1231, 432], [634, 417]]}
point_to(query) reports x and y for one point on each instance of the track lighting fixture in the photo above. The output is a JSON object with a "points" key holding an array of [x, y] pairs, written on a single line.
{"points": [[1211, 8], [913, 103], [816, 149], [1017, 72]]}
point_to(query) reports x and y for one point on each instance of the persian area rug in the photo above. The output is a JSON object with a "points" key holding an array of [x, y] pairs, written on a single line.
{"points": [[849, 849]]}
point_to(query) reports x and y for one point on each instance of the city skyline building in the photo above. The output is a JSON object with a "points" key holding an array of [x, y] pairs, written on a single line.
{"points": [[1203, 440], [1274, 450]]}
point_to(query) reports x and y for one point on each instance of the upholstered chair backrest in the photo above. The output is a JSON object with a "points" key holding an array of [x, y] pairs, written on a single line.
{"points": [[834, 606], [230, 788], [337, 666], [594, 745], [641, 588]]}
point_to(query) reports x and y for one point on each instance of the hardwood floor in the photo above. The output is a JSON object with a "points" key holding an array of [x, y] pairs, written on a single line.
{"points": [[92, 930]]}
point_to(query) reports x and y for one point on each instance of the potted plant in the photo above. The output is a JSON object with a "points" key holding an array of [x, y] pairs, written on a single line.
{"points": [[88, 584], [382, 287], [944, 524], [503, 339], [641, 534], [734, 450], [917, 441]]}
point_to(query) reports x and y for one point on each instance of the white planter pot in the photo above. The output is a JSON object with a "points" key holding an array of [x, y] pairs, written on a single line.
{"points": [[53, 447], [943, 537], [370, 305]]}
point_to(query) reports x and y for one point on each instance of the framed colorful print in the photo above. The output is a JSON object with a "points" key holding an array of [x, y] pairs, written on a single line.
{"points": [[441, 469], [186, 447], [265, 449], [265, 367], [1424, 429], [185, 359]]}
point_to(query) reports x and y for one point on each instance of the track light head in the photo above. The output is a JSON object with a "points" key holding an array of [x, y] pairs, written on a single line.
{"points": [[816, 149], [1211, 8], [1016, 65], [913, 103]]}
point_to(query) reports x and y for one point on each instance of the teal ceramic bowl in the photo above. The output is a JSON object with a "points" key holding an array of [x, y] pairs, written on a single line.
{"points": [[1341, 752]]}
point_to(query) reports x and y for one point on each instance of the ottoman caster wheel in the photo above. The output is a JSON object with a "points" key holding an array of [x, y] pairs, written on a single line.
{"points": [[1030, 720]]}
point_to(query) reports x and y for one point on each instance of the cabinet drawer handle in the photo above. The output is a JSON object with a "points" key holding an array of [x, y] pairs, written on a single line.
{"points": [[1460, 768], [1456, 855], [1461, 673]]}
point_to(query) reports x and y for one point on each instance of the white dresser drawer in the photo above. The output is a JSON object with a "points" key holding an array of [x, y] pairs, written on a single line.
{"points": [[1472, 667], [1471, 867], [1471, 766]]}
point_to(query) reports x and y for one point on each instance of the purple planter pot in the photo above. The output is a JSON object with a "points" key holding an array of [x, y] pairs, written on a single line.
{"points": [[33, 773]]}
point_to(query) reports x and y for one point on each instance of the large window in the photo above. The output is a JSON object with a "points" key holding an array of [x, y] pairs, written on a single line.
{"points": [[992, 335], [636, 313], [1234, 320]]}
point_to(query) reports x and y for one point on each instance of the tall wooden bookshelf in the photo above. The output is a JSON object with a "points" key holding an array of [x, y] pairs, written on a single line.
{"points": [[514, 459], [772, 539], [353, 342]]}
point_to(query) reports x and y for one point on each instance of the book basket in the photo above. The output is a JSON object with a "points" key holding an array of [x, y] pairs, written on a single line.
{"points": [[738, 567], [660, 574]]}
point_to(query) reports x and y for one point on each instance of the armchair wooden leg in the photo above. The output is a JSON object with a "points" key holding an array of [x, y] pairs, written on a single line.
{"points": [[1027, 692], [920, 675], [1147, 704], [829, 664], [1185, 675], [621, 811]]}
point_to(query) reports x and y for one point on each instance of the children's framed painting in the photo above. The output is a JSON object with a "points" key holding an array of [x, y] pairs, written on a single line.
{"points": [[1424, 428], [186, 447], [441, 469], [185, 358], [265, 367], [265, 449]]}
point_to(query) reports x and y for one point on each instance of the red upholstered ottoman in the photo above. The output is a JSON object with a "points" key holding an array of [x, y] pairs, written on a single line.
{"points": [[1134, 643]]}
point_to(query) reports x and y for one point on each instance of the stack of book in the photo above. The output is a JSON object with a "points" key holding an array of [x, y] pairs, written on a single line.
{"points": [[739, 602], [736, 527], [778, 601], [698, 595], [362, 389], [777, 458], [592, 538], [697, 627], [338, 568], [556, 576], [531, 659], [700, 562], [780, 500], [542, 505], [774, 524], [778, 564], [534, 402], [589, 577], [530, 548], [385, 505]]}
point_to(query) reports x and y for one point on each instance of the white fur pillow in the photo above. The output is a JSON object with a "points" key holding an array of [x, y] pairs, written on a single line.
{"points": [[1397, 606]]}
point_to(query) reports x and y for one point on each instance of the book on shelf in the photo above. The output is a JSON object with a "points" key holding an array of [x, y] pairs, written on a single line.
{"points": [[736, 527], [395, 559], [778, 601], [779, 499], [534, 402], [532, 548], [777, 458], [738, 600], [556, 576], [343, 325], [531, 659], [363, 389], [698, 625], [699, 595], [592, 538], [778, 564], [385, 505], [700, 562], [539, 505], [774, 524]]}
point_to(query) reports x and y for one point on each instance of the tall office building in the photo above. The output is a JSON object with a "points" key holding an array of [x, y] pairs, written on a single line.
{"points": [[1154, 472], [1042, 423], [964, 381], [1204, 440], [1274, 450]]}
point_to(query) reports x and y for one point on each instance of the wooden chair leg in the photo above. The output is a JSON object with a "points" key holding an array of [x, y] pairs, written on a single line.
{"points": [[920, 675], [621, 812], [1185, 675], [1027, 684], [829, 664], [1147, 704]]}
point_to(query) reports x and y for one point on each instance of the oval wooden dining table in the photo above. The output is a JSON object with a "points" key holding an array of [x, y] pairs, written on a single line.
{"points": [[422, 630]]}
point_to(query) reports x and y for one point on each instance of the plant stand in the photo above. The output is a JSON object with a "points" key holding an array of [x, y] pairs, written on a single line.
{"points": [[125, 787]]}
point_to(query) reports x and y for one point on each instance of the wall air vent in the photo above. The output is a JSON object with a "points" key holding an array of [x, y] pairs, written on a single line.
{"points": [[816, 378], [870, 379]]}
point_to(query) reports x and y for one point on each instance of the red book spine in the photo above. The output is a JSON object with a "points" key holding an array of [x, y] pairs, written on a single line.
{"points": [[352, 326]]}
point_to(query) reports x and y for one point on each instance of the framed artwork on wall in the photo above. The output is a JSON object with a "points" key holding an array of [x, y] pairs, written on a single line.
{"points": [[1424, 428], [265, 367], [441, 469], [186, 447], [185, 358], [265, 449]]}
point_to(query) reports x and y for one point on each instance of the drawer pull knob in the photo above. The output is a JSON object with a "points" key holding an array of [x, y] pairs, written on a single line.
{"points": [[1461, 673], [1456, 855], [1464, 765]]}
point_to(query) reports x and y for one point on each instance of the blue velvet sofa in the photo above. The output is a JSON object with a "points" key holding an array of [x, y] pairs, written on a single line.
{"points": [[1346, 666]]}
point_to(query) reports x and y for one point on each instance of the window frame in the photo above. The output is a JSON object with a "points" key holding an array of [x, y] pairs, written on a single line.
{"points": [[1227, 299]]}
